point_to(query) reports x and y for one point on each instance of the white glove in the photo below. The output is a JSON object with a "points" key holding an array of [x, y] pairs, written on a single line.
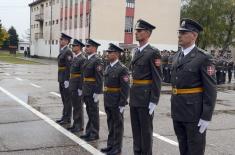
{"points": [[152, 106], [121, 109], [66, 84], [203, 125], [96, 97], [79, 92]]}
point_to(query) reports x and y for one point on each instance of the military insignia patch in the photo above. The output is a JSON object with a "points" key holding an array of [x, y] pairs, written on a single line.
{"points": [[211, 70], [69, 58], [99, 68], [157, 62], [126, 78], [183, 24]]}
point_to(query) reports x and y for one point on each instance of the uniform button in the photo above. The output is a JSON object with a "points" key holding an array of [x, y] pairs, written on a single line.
{"points": [[176, 78]]}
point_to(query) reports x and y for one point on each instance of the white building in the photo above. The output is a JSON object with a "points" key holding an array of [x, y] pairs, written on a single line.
{"points": [[102, 20], [23, 46]]}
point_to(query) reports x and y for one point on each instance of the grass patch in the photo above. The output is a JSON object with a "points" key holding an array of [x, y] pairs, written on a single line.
{"points": [[11, 58]]}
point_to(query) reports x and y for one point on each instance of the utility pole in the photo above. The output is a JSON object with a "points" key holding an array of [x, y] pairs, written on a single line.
{"points": [[51, 28]]}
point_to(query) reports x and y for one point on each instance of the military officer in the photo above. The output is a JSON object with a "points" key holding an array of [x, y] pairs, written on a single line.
{"points": [[230, 68], [193, 91], [64, 62], [145, 89], [116, 91], [92, 88], [76, 86]]}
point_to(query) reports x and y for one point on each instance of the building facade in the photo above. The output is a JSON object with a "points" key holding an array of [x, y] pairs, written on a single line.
{"points": [[102, 20]]}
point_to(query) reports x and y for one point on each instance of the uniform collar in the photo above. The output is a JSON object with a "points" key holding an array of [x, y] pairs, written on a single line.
{"points": [[89, 56], [187, 50], [141, 48], [113, 63], [76, 55], [64, 47]]}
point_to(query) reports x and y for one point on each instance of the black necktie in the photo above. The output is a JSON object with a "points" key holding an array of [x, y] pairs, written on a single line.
{"points": [[181, 56]]}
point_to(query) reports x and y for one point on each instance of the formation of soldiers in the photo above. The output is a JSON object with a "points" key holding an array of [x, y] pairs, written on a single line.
{"points": [[83, 77], [224, 66]]}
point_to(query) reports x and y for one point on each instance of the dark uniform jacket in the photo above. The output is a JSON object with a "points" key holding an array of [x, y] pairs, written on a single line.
{"points": [[116, 77], [93, 68], [64, 62], [196, 69], [76, 69], [146, 66]]}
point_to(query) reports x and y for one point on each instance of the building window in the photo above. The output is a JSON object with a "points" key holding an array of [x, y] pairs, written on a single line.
{"points": [[46, 4], [130, 3], [70, 22], [129, 24], [57, 21], [61, 23], [56, 42], [71, 3], [87, 19], [66, 3], [45, 41], [22, 48], [53, 22], [65, 23], [81, 19], [52, 42], [46, 24], [76, 22]]}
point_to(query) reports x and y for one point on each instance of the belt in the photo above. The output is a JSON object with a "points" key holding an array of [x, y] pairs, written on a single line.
{"points": [[61, 68], [176, 91], [142, 82], [73, 75], [89, 80], [112, 89]]}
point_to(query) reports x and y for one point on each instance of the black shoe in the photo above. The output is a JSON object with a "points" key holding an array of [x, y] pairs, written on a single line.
{"points": [[76, 129], [70, 128], [114, 152], [85, 136], [64, 122], [59, 120], [107, 149], [91, 138]]}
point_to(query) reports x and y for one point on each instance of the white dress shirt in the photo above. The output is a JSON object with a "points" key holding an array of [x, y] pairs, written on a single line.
{"points": [[187, 50]]}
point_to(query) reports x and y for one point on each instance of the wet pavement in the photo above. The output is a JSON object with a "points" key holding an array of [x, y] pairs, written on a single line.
{"points": [[24, 131]]}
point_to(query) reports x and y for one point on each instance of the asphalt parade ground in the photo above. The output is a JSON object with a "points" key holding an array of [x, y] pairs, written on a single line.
{"points": [[30, 103]]}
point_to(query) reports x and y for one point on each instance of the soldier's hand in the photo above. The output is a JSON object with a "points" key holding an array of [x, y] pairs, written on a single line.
{"points": [[203, 125], [66, 84], [152, 106], [121, 109], [79, 92], [96, 97]]}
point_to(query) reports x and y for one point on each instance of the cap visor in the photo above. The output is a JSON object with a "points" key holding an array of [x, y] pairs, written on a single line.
{"points": [[184, 29]]}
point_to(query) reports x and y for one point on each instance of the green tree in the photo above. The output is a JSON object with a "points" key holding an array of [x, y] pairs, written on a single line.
{"points": [[3, 36], [217, 18], [13, 37]]}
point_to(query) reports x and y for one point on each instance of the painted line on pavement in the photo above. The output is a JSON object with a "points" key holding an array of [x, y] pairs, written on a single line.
{"points": [[7, 74], [58, 95], [165, 139], [34, 85], [73, 137], [19, 79]]}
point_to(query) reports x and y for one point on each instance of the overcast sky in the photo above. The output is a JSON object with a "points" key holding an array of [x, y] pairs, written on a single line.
{"points": [[15, 13]]}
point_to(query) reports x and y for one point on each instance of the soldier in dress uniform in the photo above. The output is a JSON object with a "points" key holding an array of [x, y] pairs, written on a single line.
{"points": [[92, 88], [193, 91], [164, 65], [170, 59], [230, 68], [116, 91], [145, 89], [64, 62], [76, 86]]}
